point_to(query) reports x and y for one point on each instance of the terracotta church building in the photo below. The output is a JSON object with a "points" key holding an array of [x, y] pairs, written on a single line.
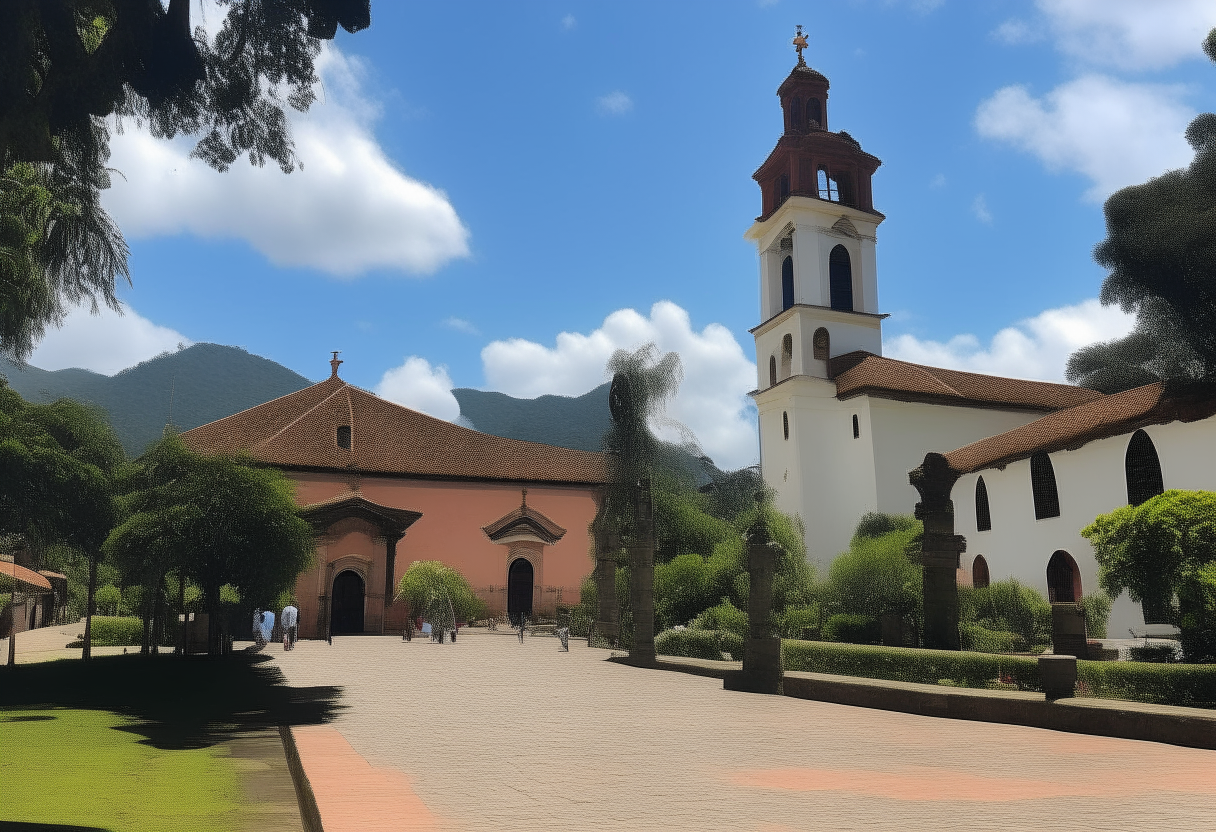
{"points": [[385, 486]]}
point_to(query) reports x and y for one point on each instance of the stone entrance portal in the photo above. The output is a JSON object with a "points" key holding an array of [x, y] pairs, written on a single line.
{"points": [[348, 603], [519, 589]]}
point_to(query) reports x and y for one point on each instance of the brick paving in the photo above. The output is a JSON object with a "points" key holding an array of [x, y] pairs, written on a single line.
{"points": [[488, 734]]}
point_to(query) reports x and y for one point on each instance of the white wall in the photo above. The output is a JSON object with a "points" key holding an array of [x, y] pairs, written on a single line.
{"points": [[1090, 481]]}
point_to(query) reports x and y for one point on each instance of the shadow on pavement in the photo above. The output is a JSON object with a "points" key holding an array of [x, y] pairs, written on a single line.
{"points": [[21, 826], [176, 701]]}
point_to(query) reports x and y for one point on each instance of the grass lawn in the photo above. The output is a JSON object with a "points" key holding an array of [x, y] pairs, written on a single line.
{"points": [[81, 768]]}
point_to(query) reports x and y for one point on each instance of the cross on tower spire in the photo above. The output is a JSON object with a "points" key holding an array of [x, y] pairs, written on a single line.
{"points": [[334, 362], [800, 44]]}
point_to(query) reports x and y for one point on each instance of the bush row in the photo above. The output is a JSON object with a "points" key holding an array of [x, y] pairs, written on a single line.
{"points": [[116, 631], [699, 644], [906, 664], [1193, 685]]}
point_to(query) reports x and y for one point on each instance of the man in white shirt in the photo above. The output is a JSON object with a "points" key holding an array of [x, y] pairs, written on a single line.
{"points": [[289, 620]]}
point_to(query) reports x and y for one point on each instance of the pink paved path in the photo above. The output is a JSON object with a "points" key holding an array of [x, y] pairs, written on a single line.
{"points": [[488, 734]]}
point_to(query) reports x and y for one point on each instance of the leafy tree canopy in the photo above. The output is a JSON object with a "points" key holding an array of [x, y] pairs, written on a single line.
{"points": [[1163, 552], [439, 593], [1160, 248]]}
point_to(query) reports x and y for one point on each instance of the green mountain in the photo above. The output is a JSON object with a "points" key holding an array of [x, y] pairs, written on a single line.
{"points": [[190, 387], [568, 422]]}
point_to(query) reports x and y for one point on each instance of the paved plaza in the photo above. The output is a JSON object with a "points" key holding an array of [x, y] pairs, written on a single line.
{"points": [[489, 734]]}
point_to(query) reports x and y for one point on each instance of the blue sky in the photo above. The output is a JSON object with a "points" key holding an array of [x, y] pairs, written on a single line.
{"points": [[482, 177]]}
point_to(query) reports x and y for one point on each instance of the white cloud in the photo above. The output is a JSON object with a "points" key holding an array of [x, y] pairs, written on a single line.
{"points": [[348, 211], [979, 207], [712, 400], [461, 325], [614, 104], [1130, 34], [104, 343], [1015, 31], [1112, 132], [418, 385], [1036, 348], [568, 22]]}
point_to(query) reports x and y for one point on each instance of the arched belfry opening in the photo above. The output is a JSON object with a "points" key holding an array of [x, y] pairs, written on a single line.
{"points": [[349, 594], [1142, 468], [520, 580], [787, 283], [1063, 579], [840, 278]]}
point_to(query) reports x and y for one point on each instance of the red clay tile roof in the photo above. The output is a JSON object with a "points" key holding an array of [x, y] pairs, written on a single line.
{"points": [[299, 430], [863, 373], [527, 520], [28, 579], [1112, 415]]}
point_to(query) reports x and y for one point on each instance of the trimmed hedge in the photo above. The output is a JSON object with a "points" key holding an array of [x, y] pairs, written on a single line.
{"points": [[908, 664], [853, 629], [699, 644], [1192, 685], [117, 631]]}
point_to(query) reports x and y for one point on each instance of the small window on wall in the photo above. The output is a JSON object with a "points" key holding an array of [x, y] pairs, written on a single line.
{"points": [[814, 114], [840, 279], [785, 423], [983, 516], [1043, 487], [1143, 469], [783, 187], [787, 283], [787, 355], [796, 114], [856, 427], [821, 344], [344, 436], [772, 370], [979, 572]]}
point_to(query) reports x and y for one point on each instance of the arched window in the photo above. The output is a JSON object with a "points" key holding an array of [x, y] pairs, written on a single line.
{"points": [[787, 356], [343, 438], [827, 186], [856, 427], [821, 344], [796, 114], [1063, 579], [1043, 487], [783, 187], [1143, 469], [772, 370], [840, 279], [785, 423], [787, 283], [983, 516], [979, 572], [814, 115]]}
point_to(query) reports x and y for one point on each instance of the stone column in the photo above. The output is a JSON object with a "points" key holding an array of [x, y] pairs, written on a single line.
{"points": [[641, 577], [1068, 637], [607, 545], [762, 670], [940, 550]]}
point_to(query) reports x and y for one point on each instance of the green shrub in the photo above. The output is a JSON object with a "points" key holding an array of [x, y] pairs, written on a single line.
{"points": [[982, 640], [796, 621], [695, 644], [853, 629], [1008, 606], [732, 644], [876, 575], [906, 664], [1191, 685], [115, 631], [1157, 653], [108, 598], [1096, 607], [725, 616]]}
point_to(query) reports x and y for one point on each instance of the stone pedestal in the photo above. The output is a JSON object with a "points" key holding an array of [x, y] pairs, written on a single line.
{"points": [[940, 550], [1068, 631], [607, 545], [762, 669], [1059, 676]]}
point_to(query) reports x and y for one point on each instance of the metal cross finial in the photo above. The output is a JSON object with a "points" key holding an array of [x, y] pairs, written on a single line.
{"points": [[334, 362], [800, 44]]}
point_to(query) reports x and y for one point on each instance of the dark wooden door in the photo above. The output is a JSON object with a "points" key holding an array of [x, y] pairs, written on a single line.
{"points": [[348, 604], [519, 589]]}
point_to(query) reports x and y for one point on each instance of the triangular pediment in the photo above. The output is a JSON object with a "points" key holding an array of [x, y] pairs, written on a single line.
{"points": [[845, 227]]}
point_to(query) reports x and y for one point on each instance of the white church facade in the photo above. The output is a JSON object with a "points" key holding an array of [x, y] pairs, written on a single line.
{"points": [[841, 426]]}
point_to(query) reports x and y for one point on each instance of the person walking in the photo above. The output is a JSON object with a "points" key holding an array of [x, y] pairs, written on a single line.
{"points": [[259, 640], [288, 621], [267, 626], [523, 622]]}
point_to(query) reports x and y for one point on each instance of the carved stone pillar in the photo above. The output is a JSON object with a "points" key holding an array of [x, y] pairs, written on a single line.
{"points": [[607, 545], [762, 669], [940, 550], [641, 577]]}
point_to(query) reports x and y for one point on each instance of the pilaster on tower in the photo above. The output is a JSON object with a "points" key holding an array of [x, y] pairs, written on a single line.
{"points": [[816, 236]]}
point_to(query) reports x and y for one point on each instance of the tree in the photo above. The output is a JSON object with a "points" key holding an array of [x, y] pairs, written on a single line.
{"points": [[68, 66], [439, 593], [877, 576], [1163, 552], [217, 520], [1160, 248], [57, 464]]}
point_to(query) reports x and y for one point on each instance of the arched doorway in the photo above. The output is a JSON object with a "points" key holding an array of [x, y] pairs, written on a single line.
{"points": [[347, 603], [1063, 579], [519, 589], [979, 572]]}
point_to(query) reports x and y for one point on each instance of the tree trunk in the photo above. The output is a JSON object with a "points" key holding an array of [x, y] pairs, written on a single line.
{"points": [[145, 613], [214, 647], [181, 604], [90, 608]]}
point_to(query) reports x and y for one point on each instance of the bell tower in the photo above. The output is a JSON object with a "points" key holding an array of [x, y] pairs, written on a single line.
{"points": [[816, 236]]}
